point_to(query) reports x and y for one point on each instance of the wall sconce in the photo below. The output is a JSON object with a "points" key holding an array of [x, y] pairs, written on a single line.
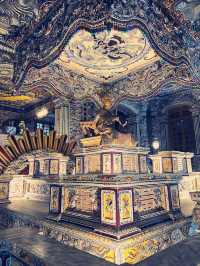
{"points": [[42, 112], [155, 145]]}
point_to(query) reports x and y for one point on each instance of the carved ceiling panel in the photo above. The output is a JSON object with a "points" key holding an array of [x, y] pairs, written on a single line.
{"points": [[33, 34], [107, 55]]}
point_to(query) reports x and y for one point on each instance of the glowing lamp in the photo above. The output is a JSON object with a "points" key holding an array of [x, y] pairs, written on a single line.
{"points": [[156, 144], [42, 112]]}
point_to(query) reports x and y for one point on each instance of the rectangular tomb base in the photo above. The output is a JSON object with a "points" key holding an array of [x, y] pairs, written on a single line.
{"points": [[131, 249]]}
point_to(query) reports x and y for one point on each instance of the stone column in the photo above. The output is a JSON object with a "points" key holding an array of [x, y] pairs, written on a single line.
{"points": [[196, 122], [62, 118], [164, 145], [143, 127]]}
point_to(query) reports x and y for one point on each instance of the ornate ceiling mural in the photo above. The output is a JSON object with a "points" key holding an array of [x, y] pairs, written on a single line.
{"points": [[33, 34], [141, 84], [107, 55]]}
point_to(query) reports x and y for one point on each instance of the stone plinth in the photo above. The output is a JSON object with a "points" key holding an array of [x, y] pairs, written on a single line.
{"points": [[172, 162], [49, 166], [111, 160]]}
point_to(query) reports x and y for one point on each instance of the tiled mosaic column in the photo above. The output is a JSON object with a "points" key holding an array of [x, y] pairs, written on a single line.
{"points": [[62, 118]]}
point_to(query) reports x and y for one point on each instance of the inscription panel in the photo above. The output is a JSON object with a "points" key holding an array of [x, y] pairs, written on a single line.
{"points": [[92, 163], [80, 199], [151, 199], [130, 163]]}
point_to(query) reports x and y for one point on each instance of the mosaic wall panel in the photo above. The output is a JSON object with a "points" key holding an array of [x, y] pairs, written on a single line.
{"points": [[80, 199], [143, 164], [130, 163], [108, 207], [175, 197], [79, 165], [4, 190], [55, 199], [16, 187], [126, 206], [151, 198], [36, 189], [92, 163]]}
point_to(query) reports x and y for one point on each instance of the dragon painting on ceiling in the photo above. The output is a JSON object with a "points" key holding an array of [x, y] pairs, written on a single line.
{"points": [[102, 40]]}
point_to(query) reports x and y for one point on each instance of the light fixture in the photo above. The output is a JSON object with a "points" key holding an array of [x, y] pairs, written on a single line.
{"points": [[42, 112], [156, 144]]}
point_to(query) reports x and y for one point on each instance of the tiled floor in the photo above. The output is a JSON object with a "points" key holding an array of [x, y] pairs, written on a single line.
{"points": [[186, 253], [50, 251]]}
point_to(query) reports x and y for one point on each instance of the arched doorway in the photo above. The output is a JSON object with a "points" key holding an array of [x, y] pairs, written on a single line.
{"points": [[181, 135]]}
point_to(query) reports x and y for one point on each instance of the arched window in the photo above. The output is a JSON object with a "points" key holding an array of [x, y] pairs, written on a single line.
{"points": [[88, 111], [181, 129]]}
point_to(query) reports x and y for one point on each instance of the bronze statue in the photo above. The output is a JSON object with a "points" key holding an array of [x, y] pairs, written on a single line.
{"points": [[103, 124]]}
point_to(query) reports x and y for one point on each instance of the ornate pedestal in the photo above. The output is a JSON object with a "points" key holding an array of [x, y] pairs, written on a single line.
{"points": [[112, 196]]}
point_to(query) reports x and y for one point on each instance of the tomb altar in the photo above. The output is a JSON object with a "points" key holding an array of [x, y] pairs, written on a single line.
{"points": [[115, 198]]}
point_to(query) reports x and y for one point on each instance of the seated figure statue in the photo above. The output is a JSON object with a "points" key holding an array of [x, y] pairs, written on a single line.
{"points": [[104, 125]]}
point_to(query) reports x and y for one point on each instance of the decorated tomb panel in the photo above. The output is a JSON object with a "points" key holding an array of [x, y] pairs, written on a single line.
{"points": [[167, 165], [46, 167], [16, 188], [54, 167], [143, 163], [148, 199], [174, 197], [108, 207], [80, 199], [36, 190], [156, 166], [141, 251], [4, 191], [117, 163], [36, 168], [107, 166], [130, 163], [92, 163], [125, 206], [55, 199], [79, 165], [180, 164], [175, 165]]}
